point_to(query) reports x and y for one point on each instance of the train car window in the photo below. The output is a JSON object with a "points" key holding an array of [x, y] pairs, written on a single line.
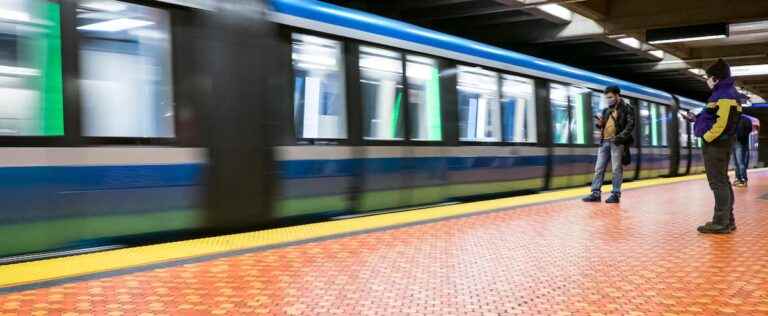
{"points": [[518, 107], [683, 132], [663, 123], [598, 104], [579, 120], [30, 69], [655, 123], [424, 98], [479, 110], [381, 81], [645, 124], [319, 97], [125, 68], [558, 100]]}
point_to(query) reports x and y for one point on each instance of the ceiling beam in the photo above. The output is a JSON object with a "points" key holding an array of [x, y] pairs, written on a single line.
{"points": [[638, 15], [460, 10]]}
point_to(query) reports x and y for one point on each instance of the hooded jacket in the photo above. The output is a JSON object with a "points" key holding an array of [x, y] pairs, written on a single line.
{"points": [[724, 104]]}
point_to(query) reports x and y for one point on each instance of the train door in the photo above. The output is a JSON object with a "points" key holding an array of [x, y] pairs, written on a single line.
{"points": [[662, 118], [654, 127], [684, 149], [497, 130], [573, 158], [648, 161], [426, 163], [383, 104], [316, 162], [561, 135]]}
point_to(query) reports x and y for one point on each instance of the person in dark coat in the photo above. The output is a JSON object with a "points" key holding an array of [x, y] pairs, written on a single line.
{"points": [[616, 125]]}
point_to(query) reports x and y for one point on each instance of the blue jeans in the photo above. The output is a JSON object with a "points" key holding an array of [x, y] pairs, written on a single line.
{"points": [[609, 151], [741, 160]]}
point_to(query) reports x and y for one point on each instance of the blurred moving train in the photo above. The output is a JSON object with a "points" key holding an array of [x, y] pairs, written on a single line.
{"points": [[137, 121]]}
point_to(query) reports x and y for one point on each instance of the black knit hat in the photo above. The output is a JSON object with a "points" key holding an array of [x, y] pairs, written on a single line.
{"points": [[613, 89], [720, 70]]}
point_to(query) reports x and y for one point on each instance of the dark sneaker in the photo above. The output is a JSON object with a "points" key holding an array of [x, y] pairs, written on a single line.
{"points": [[712, 228], [592, 198], [613, 199]]}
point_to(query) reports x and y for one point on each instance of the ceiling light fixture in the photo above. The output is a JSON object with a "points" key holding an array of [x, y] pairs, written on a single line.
{"points": [[688, 39], [14, 15], [115, 25], [687, 33], [108, 6], [631, 42], [658, 53], [557, 10], [697, 71], [749, 70]]}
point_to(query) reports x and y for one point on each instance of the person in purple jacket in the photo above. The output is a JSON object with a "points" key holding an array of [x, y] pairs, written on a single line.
{"points": [[716, 125]]}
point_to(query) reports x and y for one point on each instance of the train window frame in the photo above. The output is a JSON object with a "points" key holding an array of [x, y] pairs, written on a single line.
{"points": [[65, 138], [171, 11], [347, 73], [77, 38], [496, 82], [502, 72], [356, 102], [588, 142], [360, 99]]}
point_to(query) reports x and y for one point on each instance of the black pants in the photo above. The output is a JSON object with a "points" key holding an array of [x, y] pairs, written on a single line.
{"points": [[716, 157]]}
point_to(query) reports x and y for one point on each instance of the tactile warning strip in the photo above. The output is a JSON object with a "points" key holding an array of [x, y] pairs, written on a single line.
{"points": [[37, 271]]}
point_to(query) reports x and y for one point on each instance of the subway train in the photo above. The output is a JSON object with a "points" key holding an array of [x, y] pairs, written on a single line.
{"points": [[130, 122]]}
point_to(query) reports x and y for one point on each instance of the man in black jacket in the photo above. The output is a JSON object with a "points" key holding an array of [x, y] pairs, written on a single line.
{"points": [[616, 127]]}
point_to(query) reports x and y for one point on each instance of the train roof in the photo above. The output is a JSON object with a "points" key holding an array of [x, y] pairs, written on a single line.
{"points": [[690, 103], [329, 18]]}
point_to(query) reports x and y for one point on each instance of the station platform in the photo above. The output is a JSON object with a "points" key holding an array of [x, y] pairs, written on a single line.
{"points": [[542, 254]]}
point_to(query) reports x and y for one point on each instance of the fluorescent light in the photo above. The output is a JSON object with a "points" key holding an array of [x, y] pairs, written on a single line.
{"points": [[658, 53], [697, 71], [19, 71], [750, 70], [381, 64], [557, 10], [109, 6], [115, 25], [688, 39], [631, 42], [419, 71], [748, 26], [153, 34], [14, 15], [314, 59]]}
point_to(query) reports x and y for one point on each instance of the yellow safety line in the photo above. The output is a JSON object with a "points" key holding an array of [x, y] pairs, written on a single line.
{"points": [[67, 267]]}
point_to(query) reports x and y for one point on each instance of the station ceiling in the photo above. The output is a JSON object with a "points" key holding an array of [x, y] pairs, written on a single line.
{"points": [[606, 36]]}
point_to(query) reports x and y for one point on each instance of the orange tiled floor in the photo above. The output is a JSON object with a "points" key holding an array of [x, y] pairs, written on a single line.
{"points": [[643, 257]]}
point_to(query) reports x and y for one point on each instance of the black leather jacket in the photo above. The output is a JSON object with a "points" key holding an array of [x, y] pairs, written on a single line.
{"points": [[625, 123]]}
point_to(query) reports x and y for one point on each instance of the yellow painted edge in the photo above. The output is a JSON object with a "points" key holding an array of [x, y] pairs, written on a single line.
{"points": [[66, 267]]}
